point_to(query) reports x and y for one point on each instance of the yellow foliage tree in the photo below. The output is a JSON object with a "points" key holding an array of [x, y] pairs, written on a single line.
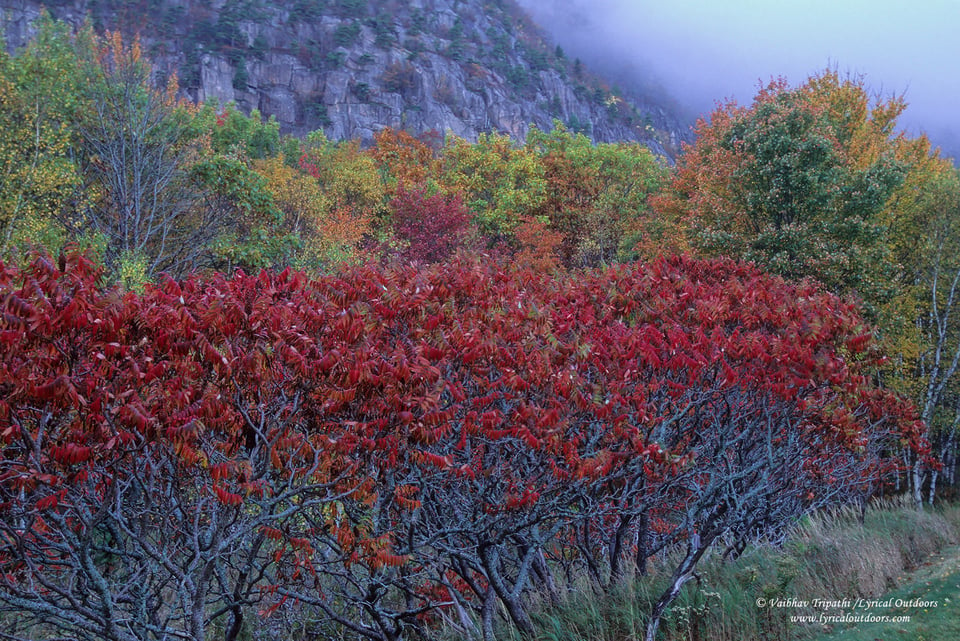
{"points": [[352, 184], [39, 180], [327, 234], [501, 183]]}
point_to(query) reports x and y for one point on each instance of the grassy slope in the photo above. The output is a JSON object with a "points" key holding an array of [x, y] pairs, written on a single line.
{"points": [[938, 580], [829, 557]]}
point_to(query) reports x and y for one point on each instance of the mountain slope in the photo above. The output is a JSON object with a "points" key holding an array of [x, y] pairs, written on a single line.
{"points": [[355, 66]]}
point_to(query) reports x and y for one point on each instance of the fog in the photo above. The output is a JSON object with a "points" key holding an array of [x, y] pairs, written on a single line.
{"points": [[704, 51]]}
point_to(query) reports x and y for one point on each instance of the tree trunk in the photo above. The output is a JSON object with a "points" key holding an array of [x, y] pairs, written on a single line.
{"points": [[542, 570], [641, 558], [933, 486], [616, 549], [917, 483], [490, 557], [683, 573], [586, 549], [236, 624], [486, 614]]}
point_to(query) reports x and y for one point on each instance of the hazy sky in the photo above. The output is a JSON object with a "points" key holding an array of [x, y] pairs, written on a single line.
{"points": [[701, 51]]}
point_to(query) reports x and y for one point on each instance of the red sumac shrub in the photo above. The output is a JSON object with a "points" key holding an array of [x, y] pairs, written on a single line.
{"points": [[383, 442]]}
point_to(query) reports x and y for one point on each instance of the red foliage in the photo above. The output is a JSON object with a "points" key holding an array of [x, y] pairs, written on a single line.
{"points": [[433, 226], [438, 434]]}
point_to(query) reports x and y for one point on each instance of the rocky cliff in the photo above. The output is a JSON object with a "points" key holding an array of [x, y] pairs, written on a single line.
{"points": [[355, 66]]}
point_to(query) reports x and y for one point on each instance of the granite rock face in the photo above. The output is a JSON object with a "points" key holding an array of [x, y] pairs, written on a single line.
{"points": [[352, 67]]}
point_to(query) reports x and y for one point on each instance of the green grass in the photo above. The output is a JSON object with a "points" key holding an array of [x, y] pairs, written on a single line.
{"points": [[896, 552], [938, 580]]}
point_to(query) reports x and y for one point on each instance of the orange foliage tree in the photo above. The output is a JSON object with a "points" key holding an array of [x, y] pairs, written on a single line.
{"points": [[596, 194], [406, 162], [350, 180]]}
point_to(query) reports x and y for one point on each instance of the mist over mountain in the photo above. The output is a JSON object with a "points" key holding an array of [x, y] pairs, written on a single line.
{"points": [[352, 67], [703, 52], [646, 71]]}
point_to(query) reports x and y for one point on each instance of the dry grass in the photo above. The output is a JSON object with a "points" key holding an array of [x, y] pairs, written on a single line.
{"points": [[832, 555], [840, 556]]}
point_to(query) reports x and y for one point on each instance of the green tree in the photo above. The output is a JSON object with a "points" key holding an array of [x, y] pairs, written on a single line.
{"points": [[241, 76], [232, 131], [799, 182], [40, 98], [501, 182], [236, 217]]}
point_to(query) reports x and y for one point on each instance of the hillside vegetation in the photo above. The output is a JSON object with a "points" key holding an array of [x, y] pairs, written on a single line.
{"points": [[352, 67]]}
